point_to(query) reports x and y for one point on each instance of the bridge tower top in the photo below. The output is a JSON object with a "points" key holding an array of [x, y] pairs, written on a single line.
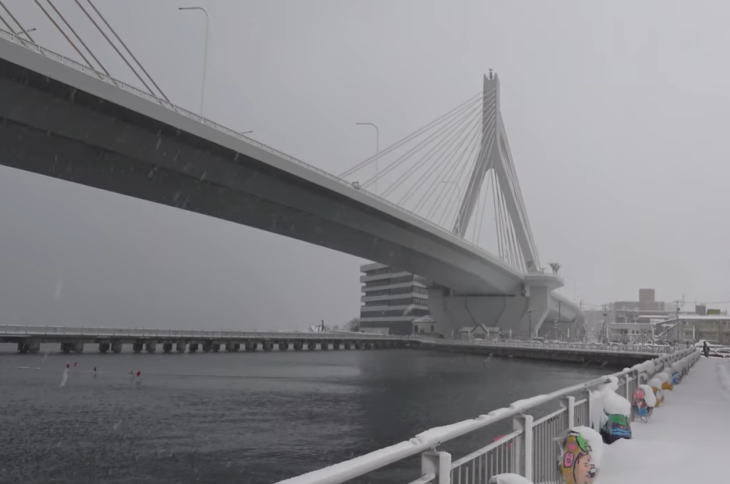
{"points": [[495, 154]]}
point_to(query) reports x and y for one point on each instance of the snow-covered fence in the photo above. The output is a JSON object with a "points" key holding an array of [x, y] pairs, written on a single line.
{"points": [[530, 449]]}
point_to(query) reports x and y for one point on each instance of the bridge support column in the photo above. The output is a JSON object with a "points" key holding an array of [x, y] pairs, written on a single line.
{"points": [[180, 347], [251, 346], [151, 346], [104, 347], [137, 346], [311, 345], [283, 345], [518, 316], [193, 347], [267, 345], [298, 345], [324, 345], [29, 346], [215, 347], [207, 346], [232, 347], [116, 347], [167, 347]]}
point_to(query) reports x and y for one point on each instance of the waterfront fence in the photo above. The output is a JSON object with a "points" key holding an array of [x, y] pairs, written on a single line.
{"points": [[531, 448]]}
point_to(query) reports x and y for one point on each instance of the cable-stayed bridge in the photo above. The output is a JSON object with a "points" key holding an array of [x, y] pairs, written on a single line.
{"points": [[72, 120]]}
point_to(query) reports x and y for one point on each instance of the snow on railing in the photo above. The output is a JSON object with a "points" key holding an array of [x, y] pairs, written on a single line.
{"points": [[530, 449]]}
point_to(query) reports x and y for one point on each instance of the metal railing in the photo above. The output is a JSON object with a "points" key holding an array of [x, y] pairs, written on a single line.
{"points": [[564, 346], [443, 231], [531, 449]]}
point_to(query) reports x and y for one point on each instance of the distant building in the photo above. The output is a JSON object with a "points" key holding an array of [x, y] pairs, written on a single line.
{"points": [[394, 301], [691, 328], [630, 333], [646, 309]]}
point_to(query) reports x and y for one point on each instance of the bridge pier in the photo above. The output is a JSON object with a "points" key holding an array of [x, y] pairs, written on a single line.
{"points": [[193, 347], [520, 315], [116, 347], [29, 346], [207, 346], [104, 347], [267, 345], [151, 346], [324, 345], [311, 345], [346, 345], [167, 347], [251, 346], [283, 345], [298, 345], [233, 347], [137, 346], [180, 347], [336, 345], [72, 346]]}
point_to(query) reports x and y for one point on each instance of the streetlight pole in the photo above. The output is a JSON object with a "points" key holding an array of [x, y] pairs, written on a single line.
{"points": [[377, 147], [205, 52]]}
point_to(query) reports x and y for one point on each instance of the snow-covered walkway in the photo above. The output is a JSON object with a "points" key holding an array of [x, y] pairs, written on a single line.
{"points": [[687, 440]]}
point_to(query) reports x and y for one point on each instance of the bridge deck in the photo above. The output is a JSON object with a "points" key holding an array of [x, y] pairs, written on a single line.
{"points": [[685, 441]]}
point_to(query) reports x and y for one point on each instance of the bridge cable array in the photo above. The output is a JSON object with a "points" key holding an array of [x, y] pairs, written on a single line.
{"points": [[456, 171], [63, 25], [21, 31]]}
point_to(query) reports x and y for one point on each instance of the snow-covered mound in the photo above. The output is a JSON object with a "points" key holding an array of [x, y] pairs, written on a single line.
{"points": [[509, 479]]}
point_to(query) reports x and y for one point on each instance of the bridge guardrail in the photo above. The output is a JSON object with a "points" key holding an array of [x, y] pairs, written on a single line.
{"points": [[84, 332], [530, 449], [443, 231]]}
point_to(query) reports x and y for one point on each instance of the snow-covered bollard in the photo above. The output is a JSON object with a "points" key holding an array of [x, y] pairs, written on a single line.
{"points": [[581, 455], [656, 385], [643, 403], [666, 379], [509, 479], [612, 412]]}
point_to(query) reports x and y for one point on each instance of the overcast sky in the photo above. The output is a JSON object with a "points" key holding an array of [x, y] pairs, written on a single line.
{"points": [[617, 115]]}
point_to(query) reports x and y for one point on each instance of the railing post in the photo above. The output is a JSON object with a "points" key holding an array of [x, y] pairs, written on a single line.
{"points": [[570, 406], [523, 450], [437, 463]]}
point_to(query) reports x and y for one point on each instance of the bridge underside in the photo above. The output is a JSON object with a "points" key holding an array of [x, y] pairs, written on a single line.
{"points": [[59, 122]]}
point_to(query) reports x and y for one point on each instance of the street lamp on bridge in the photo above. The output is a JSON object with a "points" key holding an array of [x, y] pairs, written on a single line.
{"points": [[205, 52]]}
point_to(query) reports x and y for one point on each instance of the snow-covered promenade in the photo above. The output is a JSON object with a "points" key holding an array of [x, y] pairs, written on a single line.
{"points": [[687, 440]]}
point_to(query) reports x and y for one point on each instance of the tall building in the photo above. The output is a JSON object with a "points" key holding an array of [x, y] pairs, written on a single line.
{"points": [[394, 301]]}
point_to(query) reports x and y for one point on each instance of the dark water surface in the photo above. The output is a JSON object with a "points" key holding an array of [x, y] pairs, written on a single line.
{"points": [[246, 417]]}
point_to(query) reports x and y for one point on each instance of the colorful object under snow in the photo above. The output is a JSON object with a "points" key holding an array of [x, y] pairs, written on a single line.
{"points": [[616, 427], [575, 464]]}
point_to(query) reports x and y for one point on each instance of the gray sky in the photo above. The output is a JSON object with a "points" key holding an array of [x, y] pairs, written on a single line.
{"points": [[616, 114]]}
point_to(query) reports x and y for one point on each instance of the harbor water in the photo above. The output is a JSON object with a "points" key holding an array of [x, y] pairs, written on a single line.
{"points": [[245, 417]]}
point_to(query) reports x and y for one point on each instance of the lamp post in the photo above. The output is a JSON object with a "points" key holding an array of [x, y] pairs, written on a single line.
{"points": [[205, 52], [377, 147]]}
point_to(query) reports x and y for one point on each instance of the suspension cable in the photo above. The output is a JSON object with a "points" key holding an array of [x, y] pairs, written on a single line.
{"points": [[405, 139], [68, 39], [421, 145], [442, 145], [78, 37], [22, 30], [131, 54]]}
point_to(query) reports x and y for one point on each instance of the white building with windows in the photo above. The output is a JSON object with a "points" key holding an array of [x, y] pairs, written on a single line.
{"points": [[394, 301]]}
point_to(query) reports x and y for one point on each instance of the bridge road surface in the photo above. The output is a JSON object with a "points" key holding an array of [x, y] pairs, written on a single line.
{"points": [[686, 441]]}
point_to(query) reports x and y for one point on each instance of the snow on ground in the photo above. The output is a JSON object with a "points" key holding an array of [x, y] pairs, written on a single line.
{"points": [[685, 441]]}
